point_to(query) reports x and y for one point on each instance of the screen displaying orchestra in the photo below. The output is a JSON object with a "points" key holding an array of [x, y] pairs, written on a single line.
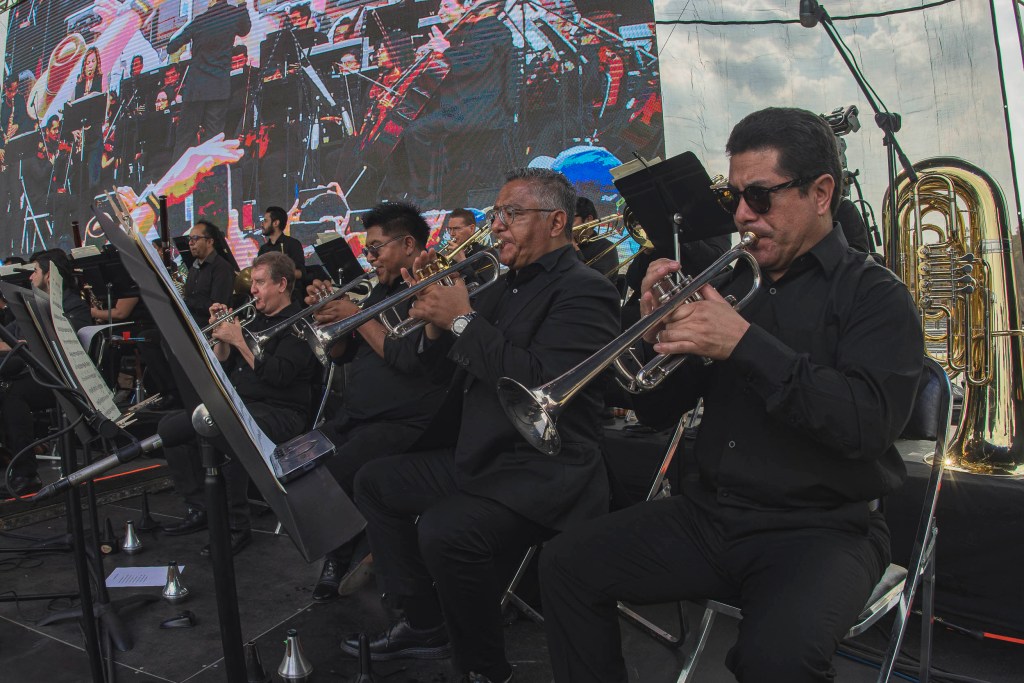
{"points": [[407, 334], [321, 107]]}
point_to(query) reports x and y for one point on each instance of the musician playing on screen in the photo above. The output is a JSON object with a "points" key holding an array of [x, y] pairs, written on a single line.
{"points": [[476, 94]]}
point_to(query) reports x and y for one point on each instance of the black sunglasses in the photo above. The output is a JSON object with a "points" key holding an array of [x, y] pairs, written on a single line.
{"points": [[759, 199]]}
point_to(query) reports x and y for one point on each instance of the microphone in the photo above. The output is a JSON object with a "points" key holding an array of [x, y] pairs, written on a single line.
{"points": [[171, 432], [810, 12]]}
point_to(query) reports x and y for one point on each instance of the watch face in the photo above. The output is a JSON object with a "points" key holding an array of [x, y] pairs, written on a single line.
{"points": [[459, 325]]}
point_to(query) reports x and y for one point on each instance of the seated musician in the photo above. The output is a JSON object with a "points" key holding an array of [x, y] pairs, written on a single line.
{"points": [[211, 278], [389, 399], [276, 392], [482, 494], [808, 389], [25, 396], [591, 249]]}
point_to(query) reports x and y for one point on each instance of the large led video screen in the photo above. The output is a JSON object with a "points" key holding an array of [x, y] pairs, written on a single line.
{"points": [[323, 108]]}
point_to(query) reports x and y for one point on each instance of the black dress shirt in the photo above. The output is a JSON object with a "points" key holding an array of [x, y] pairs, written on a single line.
{"points": [[799, 422], [395, 388], [208, 282], [282, 378], [533, 325], [608, 261], [292, 248]]}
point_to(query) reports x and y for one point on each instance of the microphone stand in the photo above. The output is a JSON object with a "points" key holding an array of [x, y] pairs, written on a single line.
{"points": [[220, 546], [88, 562], [888, 122]]}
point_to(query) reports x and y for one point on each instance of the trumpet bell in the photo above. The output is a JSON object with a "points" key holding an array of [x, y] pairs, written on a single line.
{"points": [[532, 413]]}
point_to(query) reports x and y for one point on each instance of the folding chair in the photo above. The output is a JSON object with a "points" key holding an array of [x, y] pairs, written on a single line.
{"points": [[896, 589]]}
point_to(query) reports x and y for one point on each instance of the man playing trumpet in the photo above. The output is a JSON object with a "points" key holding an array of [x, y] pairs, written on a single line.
{"points": [[481, 493], [389, 398], [806, 393], [275, 389]]}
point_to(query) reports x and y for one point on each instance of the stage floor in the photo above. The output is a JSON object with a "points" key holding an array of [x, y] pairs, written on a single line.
{"points": [[274, 588]]}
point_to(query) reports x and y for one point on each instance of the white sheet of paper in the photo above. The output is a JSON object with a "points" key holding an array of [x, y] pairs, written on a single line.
{"points": [[135, 577]]}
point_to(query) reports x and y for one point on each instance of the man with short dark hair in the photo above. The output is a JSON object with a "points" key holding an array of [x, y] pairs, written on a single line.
{"points": [[275, 389], [391, 398], [808, 389], [460, 226], [275, 220], [482, 494], [211, 279]]}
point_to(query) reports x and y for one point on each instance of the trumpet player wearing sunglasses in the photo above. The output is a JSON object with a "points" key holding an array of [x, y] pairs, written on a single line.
{"points": [[275, 389], [481, 493], [390, 399], [806, 391]]}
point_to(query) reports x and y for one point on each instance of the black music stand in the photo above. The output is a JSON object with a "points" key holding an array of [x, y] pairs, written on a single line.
{"points": [[33, 316], [19, 148], [85, 112], [674, 203], [313, 508], [338, 259]]}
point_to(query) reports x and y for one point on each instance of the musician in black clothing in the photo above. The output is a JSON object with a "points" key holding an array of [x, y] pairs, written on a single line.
{"points": [[207, 86], [390, 399], [590, 249], [275, 220], [211, 278], [808, 389], [275, 389], [476, 94], [25, 396], [14, 119]]}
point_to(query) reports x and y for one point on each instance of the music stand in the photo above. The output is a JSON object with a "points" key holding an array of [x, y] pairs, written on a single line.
{"points": [[19, 148], [674, 203], [339, 260], [181, 244]]}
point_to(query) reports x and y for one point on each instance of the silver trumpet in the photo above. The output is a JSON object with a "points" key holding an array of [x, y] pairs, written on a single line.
{"points": [[322, 337], [534, 412], [249, 310], [298, 322]]}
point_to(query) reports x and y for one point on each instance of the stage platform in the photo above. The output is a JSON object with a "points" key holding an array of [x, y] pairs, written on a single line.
{"points": [[274, 594]]}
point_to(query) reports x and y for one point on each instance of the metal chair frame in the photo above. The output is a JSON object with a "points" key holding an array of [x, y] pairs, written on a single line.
{"points": [[898, 586]]}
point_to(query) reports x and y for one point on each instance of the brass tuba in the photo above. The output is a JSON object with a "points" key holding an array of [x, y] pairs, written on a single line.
{"points": [[954, 254]]}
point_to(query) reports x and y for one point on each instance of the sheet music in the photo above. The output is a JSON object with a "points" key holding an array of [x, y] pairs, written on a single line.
{"points": [[82, 367]]}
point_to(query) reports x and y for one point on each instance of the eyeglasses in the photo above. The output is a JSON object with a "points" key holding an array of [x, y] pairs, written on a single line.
{"points": [[374, 251], [759, 199], [507, 214], [195, 238]]}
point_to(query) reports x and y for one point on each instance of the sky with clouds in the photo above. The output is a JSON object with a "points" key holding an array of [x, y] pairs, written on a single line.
{"points": [[937, 67]]}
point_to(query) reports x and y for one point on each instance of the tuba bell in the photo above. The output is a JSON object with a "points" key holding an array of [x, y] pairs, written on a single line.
{"points": [[954, 254]]}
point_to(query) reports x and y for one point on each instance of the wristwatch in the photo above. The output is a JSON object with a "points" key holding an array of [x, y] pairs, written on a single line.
{"points": [[461, 321]]}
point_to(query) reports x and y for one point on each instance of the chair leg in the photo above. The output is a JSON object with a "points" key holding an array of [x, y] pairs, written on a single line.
{"points": [[690, 668], [510, 595], [655, 631], [927, 610]]}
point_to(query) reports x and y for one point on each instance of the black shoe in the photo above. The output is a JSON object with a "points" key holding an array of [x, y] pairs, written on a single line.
{"points": [[403, 641], [195, 520], [239, 539], [327, 586], [22, 486], [473, 677]]}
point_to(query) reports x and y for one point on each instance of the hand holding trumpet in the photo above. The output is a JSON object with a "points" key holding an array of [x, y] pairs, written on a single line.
{"points": [[229, 331], [710, 328], [438, 305], [332, 312]]}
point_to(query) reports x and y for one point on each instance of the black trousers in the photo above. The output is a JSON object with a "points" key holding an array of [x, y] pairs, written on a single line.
{"points": [[800, 589], [358, 443], [211, 115], [464, 545], [186, 465], [24, 398]]}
